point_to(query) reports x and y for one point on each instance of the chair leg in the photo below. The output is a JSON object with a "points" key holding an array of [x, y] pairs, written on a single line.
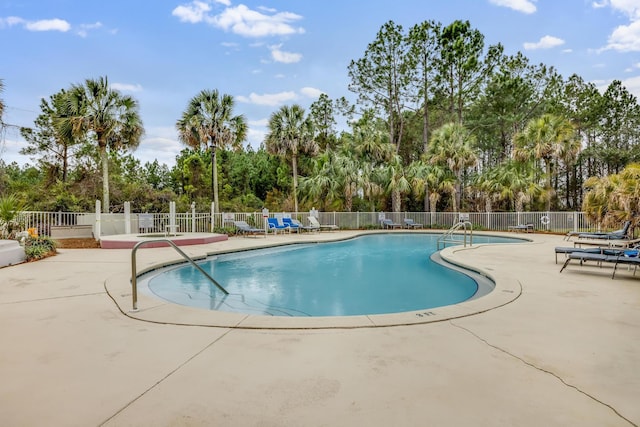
{"points": [[565, 264]]}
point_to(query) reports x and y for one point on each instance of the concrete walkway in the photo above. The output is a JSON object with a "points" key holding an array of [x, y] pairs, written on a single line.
{"points": [[564, 349]]}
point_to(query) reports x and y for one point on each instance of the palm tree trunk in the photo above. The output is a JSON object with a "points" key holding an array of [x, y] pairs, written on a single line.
{"points": [[427, 199], [294, 166], [65, 163], [214, 173], [105, 179], [396, 200], [548, 164]]}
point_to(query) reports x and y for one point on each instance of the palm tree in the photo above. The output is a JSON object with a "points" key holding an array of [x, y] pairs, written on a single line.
{"points": [[614, 198], [208, 121], [393, 176], [548, 138], [512, 182], [291, 134], [452, 145], [97, 111]]}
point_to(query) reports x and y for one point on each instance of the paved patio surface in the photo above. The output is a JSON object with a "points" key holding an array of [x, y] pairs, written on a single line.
{"points": [[543, 349]]}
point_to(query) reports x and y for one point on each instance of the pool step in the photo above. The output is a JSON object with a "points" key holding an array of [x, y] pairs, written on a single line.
{"points": [[11, 253]]}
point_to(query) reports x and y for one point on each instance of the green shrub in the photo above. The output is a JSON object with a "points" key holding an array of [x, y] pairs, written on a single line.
{"points": [[229, 231], [39, 247]]}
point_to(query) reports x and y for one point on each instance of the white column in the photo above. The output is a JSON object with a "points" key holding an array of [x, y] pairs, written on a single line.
{"points": [[97, 229], [127, 217], [193, 217], [172, 218]]}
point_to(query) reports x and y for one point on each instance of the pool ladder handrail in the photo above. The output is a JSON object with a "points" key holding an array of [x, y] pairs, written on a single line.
{"points": [[448, 235], [134, 275]]}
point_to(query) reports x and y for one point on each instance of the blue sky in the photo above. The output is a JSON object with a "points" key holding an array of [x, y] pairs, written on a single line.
{"points": [[270, 53]]}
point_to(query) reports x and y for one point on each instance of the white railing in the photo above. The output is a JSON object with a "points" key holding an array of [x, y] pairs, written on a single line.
{"points": [[157, 223]]}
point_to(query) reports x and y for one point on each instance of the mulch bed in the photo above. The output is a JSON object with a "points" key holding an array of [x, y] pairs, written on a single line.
{"points": [[88, 243]]}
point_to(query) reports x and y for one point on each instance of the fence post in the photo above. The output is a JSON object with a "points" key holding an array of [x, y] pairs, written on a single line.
{"points": [[193, 217], [127, 217], [97, 228]]}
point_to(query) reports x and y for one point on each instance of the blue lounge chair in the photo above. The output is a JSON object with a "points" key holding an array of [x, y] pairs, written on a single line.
{"points": [[276, 225], [291, 224], [246, 229], [409, 223], [387, 223], [623, 233]]}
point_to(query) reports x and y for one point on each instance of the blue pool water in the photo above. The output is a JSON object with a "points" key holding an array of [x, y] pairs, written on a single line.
{"points": [[374, 274]]}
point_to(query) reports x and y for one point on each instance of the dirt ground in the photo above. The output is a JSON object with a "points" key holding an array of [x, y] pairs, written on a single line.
{"points": [[77, 243]]}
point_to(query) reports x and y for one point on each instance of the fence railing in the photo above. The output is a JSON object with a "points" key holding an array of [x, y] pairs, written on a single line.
{"points": [[139, 223]]}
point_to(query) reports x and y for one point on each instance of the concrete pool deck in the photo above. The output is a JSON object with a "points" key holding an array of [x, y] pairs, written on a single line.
{"points": [[563, 349]]}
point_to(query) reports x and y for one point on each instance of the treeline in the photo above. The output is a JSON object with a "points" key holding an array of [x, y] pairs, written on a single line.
{"points": [[442, 122]]}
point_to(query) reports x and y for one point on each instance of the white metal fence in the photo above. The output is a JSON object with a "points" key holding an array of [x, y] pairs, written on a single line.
{"points": [[139, 223]]}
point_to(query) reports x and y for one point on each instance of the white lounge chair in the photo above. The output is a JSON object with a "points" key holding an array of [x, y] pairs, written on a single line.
{"points": [[314, 223]]}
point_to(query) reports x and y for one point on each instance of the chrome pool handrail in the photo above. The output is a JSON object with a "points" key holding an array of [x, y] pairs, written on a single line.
{"points": [[134, 275], [448, 235]]}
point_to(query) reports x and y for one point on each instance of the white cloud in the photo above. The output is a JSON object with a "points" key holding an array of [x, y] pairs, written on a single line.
{"points": [[10, 21], [240, 19], [85, 28], [192, 13], [284, 57], [630, 8], [259, 123], [625, 38], [545, 42], [126, 87], [256, 136], [311, 92], [159, 143], [524, 6], [249, 23], [48, 25], [269, 99]]}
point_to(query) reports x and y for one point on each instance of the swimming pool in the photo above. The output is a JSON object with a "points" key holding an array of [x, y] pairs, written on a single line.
{"points": [[371, 274]]}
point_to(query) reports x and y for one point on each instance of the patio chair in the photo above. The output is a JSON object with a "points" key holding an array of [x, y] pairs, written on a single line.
{"points": [[387, 223], [245, 229], [623, 233], [276, 225], [528, 228], [313, 221], [298, 226], [409, 223], [566, 250], [620, 258]]}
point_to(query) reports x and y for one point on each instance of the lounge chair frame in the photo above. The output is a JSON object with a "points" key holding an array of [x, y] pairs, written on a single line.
{"points": [[604, 258], [245, 229], [388, 223]]}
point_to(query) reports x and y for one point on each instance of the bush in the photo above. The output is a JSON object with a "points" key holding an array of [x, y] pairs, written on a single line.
{"points": [[229, 231], [36, 248]]}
